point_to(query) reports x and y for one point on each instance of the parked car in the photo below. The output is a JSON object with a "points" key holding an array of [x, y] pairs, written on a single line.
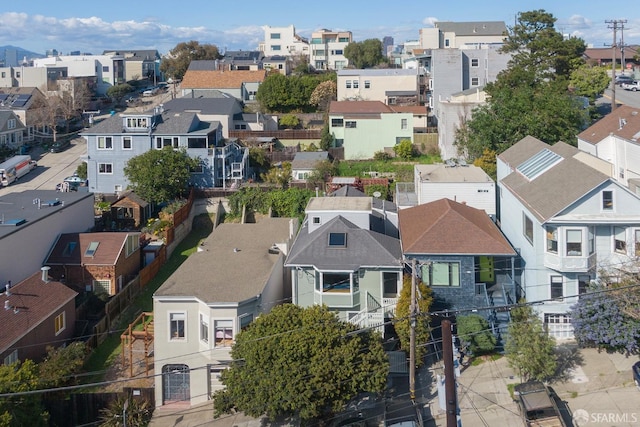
{"points": [[623, 78], [150, 92], [633, 86], [636, 374], [60, 145]]}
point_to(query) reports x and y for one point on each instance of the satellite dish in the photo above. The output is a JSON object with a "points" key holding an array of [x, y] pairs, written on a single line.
{"points": [[377, 194]]}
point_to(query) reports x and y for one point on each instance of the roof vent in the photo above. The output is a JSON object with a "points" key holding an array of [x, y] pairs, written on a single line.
{"points": [[7, 305], [8, 288], [45, 273]]}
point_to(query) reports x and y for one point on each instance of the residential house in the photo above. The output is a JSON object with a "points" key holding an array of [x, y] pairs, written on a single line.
{"points": [[569, 220], [305, 162], [107, 70], [279, 63], [459, 182], [452, 113], [343, 258], [240, 84], [461, 255], [12, 130], [363, 128], [602, 55], [455, 35], [235, 276], [614, 138], [197, 125], [30, 221], [391, 86], [38, 313], [25, 102], [248, 60], [380, 208], [139, 64], [98, 262], [283, 41], [327, 49]]}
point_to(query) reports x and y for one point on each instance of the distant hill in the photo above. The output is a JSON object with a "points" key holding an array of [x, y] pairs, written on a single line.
{"points": [[21, 53]]}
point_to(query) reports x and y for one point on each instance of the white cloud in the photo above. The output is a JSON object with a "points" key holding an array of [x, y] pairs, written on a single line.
{"points": [[430, 21]]}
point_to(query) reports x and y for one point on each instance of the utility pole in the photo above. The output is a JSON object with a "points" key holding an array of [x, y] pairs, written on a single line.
{"points": [[449, 374], [412, 334], [614, 25]]}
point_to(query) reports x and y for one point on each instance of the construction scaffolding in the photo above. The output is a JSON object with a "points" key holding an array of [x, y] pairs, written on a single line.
{"points": [[140, 328]]}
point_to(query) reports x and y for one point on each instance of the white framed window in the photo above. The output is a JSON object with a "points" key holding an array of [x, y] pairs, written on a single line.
{"points": [[475, 81], [356, 84], [11, 358], [390, 284], [204, 328], [352, 124], [223, 333], [552, 239], [316, 220], [276, 47], [60, 322], [132, 244], [275, 36], [475, 62], [574, 243], [167, 141], [105, 168], [403, 124], [11, 123], [337, 123], [527, 227], [556, 287], [348, 84], [620, 240], [583, 284], [105, 143], [441, 274], [367, 84], [558, 325], [137, 122], [126, 143], [177, 326], [338, 282], [636, 234], [592, 241]]}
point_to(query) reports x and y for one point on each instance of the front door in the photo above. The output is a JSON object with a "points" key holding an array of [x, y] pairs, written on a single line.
{"points": [[175, 384]]}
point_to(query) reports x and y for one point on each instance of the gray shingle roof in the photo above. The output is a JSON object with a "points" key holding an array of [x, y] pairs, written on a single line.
{"points": [[555, 189], [364, 248], [480, 28], [308, 159], [218, 274]]}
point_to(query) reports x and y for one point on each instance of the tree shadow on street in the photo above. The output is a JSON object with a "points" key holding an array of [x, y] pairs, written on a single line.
{"points": [[568, 358]]}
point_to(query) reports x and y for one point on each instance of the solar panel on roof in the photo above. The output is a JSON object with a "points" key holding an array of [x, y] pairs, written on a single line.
{"points": [[19, 103], [538, 164], [3, 96]]}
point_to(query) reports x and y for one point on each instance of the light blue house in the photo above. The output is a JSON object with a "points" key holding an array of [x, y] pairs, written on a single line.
{"points": [[197, 125], [569, 220]]}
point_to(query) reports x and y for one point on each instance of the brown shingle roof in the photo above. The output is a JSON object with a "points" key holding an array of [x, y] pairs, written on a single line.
{"points": [[448, 227], [358, 107], [109, 248], [197, 79], [416, 110], [604, 53], [34, 301], [625, 115]]}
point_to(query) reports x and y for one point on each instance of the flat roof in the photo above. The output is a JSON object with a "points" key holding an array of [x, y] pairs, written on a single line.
{"points": [[444, 173], [339, 203]]}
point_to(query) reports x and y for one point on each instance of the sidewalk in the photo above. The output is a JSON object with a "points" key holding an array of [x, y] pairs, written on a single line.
{"points": [[596, 384]]}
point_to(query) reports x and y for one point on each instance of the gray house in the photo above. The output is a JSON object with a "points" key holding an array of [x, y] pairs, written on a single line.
{"points": [[341, 259], [461, 255], [197, 125]]}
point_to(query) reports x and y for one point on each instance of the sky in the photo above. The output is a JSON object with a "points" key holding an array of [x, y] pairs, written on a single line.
{"points": [[72, 25]]}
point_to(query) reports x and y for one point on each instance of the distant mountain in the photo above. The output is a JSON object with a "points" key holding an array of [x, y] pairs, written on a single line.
{"points": [[21, 53]]}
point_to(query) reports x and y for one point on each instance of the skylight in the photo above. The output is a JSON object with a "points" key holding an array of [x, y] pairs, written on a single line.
{"points": [[337, 240], [91, 250], [538, 164]]}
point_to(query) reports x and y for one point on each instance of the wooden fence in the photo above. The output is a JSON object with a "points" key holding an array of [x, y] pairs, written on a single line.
{"points": [[277, 134]]}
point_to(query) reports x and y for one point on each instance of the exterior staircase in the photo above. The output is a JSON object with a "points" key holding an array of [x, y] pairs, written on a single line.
{"points": [[500, 316]]}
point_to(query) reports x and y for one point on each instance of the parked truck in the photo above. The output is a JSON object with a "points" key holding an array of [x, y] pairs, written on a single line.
{"points": [[15, 168], [538, 406]]}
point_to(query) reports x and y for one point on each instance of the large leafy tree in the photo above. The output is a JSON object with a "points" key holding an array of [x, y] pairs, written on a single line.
{"points": [[531, 96], [601, 319], [21, 410], [160, 175], [364, 54], [402, 324], [290, 93], [530, 350], [474, 331], [589, 81], [176, 62], [301, 361]]}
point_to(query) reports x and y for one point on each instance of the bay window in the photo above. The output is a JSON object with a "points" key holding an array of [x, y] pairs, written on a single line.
{"points": [[552, 239], [620, 240], [574, 242]]}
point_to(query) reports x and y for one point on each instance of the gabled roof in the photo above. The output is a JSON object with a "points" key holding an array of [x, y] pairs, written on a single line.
{"points": [[34, 301], [5, 116], [308, 159], [227, 79], [71, 248], [604, 53], [358, 107], [447, 227], [480, 28], [133, 197], [210, 106], [623, 122], [555, 188], [364, 248], [234, 265]]}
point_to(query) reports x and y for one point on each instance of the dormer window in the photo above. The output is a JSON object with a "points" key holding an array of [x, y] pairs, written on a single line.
{"points": [[137, 122], [607, 200], [337, 240]]}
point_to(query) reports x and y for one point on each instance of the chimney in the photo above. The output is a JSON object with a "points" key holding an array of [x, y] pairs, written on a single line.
{"points": [[45, 273]]}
